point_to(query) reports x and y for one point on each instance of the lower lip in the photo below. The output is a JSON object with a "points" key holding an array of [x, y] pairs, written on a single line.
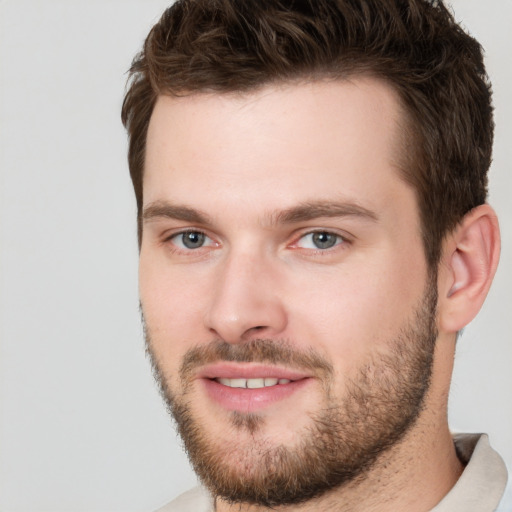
{"points": [[250, 400]]}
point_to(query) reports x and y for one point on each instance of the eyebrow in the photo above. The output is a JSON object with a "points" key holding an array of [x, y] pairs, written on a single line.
{"points": [[163, 209], [316, 209], [303, 212]]}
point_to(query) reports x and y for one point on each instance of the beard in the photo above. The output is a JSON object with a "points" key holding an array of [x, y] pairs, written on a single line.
{"points": [[344, 439]]}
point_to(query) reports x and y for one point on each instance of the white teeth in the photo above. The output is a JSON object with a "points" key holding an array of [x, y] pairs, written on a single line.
{"points": [[252, 383], [237, 383], [255, 383]]}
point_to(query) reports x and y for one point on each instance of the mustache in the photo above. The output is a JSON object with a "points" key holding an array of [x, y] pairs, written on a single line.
{"points": [[255, 351]]}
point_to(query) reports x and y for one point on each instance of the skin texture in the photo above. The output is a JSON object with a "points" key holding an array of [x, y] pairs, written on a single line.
{"points": [[257, 174]]}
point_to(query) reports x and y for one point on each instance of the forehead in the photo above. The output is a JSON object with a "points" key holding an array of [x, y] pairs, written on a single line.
{"points": [[275, 144]]}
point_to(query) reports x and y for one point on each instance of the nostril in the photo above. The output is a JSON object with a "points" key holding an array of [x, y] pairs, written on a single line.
{"points": [[254, 330]]}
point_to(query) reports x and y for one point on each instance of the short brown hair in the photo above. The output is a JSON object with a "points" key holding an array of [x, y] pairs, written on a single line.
{"points": [[415, 45]]}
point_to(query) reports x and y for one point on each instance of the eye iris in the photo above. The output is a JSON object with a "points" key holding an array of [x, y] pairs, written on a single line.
{"points": [[324, 240], [193, 239]]}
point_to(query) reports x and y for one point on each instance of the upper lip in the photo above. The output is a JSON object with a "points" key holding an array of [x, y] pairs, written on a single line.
{"points": [[231, 370]]}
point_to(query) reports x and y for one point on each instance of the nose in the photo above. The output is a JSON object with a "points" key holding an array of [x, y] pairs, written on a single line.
{"points": [[246, 300]]}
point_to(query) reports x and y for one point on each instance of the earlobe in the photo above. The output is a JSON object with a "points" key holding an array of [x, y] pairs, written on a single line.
{"points": [[471, 257]]}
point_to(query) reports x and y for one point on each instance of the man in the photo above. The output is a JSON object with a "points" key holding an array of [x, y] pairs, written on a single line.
{"points": [[311, 185]]}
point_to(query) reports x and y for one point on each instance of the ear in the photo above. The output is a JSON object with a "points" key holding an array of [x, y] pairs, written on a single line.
{"points": [[469, 261]]}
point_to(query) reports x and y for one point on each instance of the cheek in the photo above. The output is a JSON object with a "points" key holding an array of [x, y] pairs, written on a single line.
{"points": [[350, 314], [173, 304]]}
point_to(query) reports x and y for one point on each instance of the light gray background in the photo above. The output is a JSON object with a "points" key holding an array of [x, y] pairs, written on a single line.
{"points": [[82, 427]]}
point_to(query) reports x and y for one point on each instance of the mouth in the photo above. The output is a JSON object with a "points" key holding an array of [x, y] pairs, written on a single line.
{"points": [[248, 387], [257, 383]]}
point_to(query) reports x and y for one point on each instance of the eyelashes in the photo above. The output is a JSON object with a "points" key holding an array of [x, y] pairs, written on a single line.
{"points": [[320, 240], [190, 240]]}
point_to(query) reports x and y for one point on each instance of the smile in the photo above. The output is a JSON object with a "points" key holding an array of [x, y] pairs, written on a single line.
{"points": [[256, 383], [249, 387]]}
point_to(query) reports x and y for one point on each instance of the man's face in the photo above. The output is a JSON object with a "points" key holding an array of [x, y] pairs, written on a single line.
{"points": [[283, 283]]}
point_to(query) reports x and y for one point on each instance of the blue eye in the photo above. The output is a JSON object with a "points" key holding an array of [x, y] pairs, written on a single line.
{"points": [[191, 240], [320, 240]]}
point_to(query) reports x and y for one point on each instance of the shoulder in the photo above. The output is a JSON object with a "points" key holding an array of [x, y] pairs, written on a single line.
{"points": [[194, 500]]}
